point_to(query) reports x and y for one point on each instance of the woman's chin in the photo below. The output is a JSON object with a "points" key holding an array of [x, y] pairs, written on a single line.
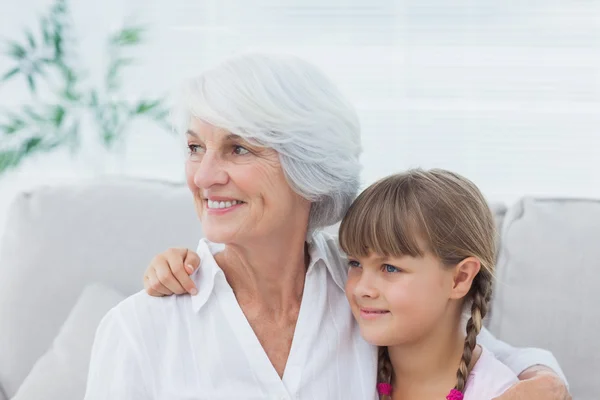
{"points": [[217, 237], [220, 234]]}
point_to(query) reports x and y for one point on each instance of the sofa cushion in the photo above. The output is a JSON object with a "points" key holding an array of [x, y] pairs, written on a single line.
{"points": [[59, 239], [546, 292], [61, 373]]}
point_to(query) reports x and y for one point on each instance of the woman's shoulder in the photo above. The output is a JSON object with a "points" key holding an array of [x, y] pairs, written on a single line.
{"points": [[141, 312], [489, 378], [143, 308]]}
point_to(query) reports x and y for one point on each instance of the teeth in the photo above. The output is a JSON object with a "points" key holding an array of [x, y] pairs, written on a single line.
{"points": [[222, 204]]}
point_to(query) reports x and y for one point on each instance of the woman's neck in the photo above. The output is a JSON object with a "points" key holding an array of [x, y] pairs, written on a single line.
{"points": [[268, 273], [427, 368]]}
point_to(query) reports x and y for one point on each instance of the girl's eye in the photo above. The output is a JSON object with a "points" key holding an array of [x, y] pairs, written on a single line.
{"points": [[240, 150], [353, 264], [390, 268]]}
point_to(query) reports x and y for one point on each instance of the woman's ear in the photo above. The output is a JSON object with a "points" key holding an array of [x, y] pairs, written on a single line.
{"points": [[464, 273]]}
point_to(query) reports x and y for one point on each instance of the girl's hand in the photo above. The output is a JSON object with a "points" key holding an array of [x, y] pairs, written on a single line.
{"points": [[169, 273]]}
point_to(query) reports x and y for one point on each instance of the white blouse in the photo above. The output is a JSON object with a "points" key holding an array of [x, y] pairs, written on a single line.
{"points": [[202, 347]]}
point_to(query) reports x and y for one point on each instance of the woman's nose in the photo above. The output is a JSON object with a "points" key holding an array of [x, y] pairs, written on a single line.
{"points": [[211, 171]]}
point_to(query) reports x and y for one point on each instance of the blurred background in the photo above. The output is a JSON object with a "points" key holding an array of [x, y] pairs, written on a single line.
{"points": [[506, 93]]}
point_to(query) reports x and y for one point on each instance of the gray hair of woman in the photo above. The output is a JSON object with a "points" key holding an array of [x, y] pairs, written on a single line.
{"points": [[287, 104]]}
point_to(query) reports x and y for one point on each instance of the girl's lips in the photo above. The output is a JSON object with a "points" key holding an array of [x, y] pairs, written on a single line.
{"points": [[372, 313]]}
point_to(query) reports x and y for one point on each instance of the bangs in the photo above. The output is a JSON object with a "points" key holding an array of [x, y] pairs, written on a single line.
{"points": [[392, 227]]}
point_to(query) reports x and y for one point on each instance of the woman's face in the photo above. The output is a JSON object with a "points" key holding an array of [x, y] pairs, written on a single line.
{"points": [[240, 191]]}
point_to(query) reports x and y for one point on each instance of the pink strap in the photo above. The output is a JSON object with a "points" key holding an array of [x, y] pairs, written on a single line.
{"points": [[455, 395], [384, 389]]}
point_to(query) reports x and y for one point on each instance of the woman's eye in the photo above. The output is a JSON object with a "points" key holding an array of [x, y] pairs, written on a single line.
{"points": [[240, 150], [193, 148], [390, 268], [353, 264]]}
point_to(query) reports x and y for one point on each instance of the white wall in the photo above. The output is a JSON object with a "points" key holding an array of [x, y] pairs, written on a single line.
{"points": [[506, 93]]}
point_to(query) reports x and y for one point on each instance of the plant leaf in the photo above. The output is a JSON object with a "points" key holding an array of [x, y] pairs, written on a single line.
{"points": [[31, 144], [31, 83], [57, 41], [32, 114], [45, 31], [107, 137], [60, 7], [9, 159], [68, 73], [30, 39], [14, 126], [16, 50], [145, 106], [161, 115], [128, 36], [10, 74], [58, 115], [70, 95]]}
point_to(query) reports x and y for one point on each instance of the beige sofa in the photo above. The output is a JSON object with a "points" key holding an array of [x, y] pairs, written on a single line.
{"points": [[71, 253]]}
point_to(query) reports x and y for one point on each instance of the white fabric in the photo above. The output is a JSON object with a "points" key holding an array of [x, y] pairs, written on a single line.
{"points": [[519, 359], [489, 378], [202, 347], [61, 373], [183, 347]]}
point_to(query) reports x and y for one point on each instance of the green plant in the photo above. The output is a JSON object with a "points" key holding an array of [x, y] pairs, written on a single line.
{"points": [[54, 121]]}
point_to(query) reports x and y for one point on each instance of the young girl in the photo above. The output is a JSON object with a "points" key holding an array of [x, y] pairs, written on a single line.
{"points": [[421, 249]]}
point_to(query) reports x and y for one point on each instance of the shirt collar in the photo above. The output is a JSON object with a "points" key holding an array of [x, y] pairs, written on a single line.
{"points": [[208, 274], [322, 247]]}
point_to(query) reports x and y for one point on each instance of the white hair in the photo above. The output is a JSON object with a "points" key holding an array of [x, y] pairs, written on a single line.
{"points": [[285, 103]]}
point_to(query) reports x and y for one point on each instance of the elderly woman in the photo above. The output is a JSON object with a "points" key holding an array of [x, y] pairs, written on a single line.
{"points": [[273, 158]]}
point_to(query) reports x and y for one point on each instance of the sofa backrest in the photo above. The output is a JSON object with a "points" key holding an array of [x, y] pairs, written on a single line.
{"points": [[59, 239], [547, 292]]}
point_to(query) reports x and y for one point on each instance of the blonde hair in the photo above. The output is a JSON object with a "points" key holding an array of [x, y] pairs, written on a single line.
{"points": [[419, 211]]}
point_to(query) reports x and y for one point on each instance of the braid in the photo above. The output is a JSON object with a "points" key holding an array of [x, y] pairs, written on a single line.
{"points": [[481, 298], [384, 369]]}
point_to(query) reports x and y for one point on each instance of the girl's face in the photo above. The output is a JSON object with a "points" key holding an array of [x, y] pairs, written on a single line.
{"points": [[398, 300]]}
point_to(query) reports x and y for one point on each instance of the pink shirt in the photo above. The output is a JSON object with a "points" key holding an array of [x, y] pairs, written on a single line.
{"points": [[489, 378]]}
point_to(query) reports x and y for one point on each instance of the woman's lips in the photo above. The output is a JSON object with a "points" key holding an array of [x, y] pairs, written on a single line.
{"points": [[227, 207]]}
